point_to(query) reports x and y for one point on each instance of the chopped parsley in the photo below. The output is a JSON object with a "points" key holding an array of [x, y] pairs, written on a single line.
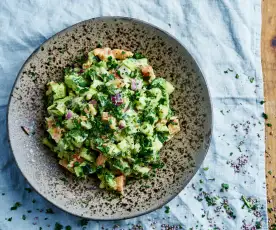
{"points": [[224, 187], [237, 76], [269, 172], [211, 201], [262, 102], [49, 211], [29, 211], [29, 190], [251, 79], [265, 116], [206, 168], [68, 227], [269, 210], [100, 45], [201, 181], [83, 222], [34, 200], [138, 56], [230, 70], [16, 205], [64, 179], [10, 219], [167, 209], [258, 224], [269, 125], [58, 226], [23, 217]]}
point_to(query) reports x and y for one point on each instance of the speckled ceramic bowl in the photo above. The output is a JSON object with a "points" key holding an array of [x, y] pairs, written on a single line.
{"points": [[182, 155]]}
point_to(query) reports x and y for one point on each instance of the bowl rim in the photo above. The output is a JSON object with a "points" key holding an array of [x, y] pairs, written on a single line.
{"points": [[208, 136]]}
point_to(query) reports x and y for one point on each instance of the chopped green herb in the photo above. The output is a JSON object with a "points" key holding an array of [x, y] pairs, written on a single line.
{"points": [[29, 211], [213, 179], [100, 45], [251, 79], [224, 187], [33, 200], [229, 210], [206, 168], [231, 154], [58, 226], [83, 222], [201, 181], [246, 202], [16, 205], [230, 70], [28, 190], [167, 209], [202, 216], [269, 210], [222, 112], [3, 194], [64, 179], [258, 225], [269, 125], [211, 201], [138, 56], [23, 217], [10, 219], [40, 228], [237, 76], [262, 102], [68, 227], [265, 116], [269, 172], [123, 52], [225, 71], [49, 211]]}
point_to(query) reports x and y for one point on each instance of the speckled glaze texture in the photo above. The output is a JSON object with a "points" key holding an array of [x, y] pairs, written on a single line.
{"points": [[182, 155]]}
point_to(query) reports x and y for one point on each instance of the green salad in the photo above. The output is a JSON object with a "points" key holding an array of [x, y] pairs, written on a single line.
{"points": [[110, 117]]}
